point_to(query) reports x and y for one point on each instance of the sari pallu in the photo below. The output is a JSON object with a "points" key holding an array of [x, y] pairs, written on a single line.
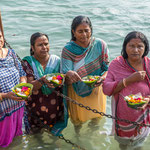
{"points": [[92, 60], [119, 69]]}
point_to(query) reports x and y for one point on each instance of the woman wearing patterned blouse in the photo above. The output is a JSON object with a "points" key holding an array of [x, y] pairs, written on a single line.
{"points": [[44, 106], [11, 107]]}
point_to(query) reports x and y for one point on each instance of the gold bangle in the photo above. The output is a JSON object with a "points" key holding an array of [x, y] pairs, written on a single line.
{"points": [[1, 98], [124, 82]]}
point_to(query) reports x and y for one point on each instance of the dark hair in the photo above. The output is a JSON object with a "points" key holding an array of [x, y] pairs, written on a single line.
{"points": [[77, 21], [33, 39], [133, 35]]}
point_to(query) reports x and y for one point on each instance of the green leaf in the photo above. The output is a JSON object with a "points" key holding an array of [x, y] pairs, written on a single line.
{"points": [[20, 86]]}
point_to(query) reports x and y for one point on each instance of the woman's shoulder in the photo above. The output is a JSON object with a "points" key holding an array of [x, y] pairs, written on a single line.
{"points": [[69, 44], [147, 60], [117, 60], [117, 64], [53, 56], [11, 51], [100, 41]]}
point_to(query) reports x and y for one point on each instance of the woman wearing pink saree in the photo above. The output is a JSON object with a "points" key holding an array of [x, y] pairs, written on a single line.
{"points": [[129, 74]]}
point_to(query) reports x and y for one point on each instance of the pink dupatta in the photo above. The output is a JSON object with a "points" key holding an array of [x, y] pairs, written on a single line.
{"points": [[118, 70]]}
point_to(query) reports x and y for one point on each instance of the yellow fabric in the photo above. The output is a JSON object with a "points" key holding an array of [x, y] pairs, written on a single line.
{"points": [[96, 100]]}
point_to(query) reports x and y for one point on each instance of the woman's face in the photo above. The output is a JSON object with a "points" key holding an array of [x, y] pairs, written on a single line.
{"points": [[1, 40], [41, 47], [135, 49], [82, 34]]}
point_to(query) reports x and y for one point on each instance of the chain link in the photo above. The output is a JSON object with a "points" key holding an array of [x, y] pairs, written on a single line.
{"points": [[87, 108], [73, 144], [101, 113], [60, 137], [44, 125]]}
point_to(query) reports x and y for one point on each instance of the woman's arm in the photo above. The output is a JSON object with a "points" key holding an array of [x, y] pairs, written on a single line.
{"points": [[37, 84], [10, 95], [23, 79], [135, 77], [72, 77]]}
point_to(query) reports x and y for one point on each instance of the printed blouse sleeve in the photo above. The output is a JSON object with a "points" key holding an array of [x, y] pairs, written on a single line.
{"points": [[28, 69]]}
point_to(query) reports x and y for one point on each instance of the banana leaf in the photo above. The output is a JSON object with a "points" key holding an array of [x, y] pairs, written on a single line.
{"points": [[23, 85], [90, 80], [55, 82], [134, 105]]}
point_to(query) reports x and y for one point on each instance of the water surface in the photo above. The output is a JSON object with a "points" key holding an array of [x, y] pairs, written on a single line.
{"points": [[111, 20]]}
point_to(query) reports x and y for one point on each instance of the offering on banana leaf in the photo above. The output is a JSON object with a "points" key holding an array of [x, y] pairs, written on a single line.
{"points": [[23, 90], [90, 80], [56, 79], [135, 101]]}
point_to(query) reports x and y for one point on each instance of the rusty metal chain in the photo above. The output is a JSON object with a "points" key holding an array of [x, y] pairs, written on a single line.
{"points": [[73, 144], [60, 137], [44, 125], [101, 113], [90, 109]]}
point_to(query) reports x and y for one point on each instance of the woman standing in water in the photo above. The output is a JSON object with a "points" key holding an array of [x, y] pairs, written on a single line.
{"points": [[130, 74], [11, 106], [44, 106], [84, 55]]}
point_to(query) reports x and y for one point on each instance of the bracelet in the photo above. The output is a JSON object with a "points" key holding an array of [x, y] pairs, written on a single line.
{"points": [[41, 81], [124, 82], [1, 98]]}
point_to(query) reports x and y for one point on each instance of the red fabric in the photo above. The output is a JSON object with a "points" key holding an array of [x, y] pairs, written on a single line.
{"points": [[118, 70]]}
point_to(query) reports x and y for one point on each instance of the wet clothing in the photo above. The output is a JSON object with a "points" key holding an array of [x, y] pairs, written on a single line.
{"points": [[92, 60], [44, 104], [11, 111], [127, 132]]}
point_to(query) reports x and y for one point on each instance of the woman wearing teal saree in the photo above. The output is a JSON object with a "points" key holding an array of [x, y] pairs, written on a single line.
{"points": [[84, 55], [44, 103]]}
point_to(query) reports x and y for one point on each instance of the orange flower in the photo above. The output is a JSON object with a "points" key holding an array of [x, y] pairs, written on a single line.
{"points": [[60, 81], [54, 78], [50, 125]]}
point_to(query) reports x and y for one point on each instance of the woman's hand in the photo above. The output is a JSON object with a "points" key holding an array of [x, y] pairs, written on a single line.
{"points": [[73, 77], [136, 76], [44, 80], [146, 104], [99, 82], [12, 95]]}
